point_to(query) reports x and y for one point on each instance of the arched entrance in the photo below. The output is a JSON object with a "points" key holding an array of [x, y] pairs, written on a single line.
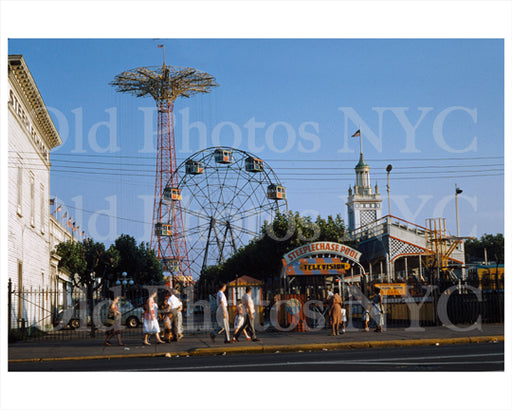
{"points": [[311, 269]]}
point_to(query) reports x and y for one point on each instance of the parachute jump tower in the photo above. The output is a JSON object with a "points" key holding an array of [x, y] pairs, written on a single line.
{"points": [[165, 84]]}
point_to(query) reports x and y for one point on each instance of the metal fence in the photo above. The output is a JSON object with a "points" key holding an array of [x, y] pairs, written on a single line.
{"points": [[41, 313]]}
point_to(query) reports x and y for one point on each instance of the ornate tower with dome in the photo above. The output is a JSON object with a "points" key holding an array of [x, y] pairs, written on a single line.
{"points": [[364, 205]]}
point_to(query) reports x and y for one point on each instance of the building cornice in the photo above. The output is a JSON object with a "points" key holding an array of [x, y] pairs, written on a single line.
{"points": [[20, 74]]}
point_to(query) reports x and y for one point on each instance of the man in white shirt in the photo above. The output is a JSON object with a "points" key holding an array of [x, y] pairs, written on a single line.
{"points": [[248, 304], [176, 306], [222, 315]]}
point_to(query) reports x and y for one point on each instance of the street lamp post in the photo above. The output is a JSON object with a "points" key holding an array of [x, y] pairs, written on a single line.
{"points": [[388, 170], [124, 281], [457, 192]]}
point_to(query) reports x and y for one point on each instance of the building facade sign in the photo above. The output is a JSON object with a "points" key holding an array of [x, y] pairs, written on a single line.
{"points": [[392, 289], [27, 123], [318, 248], [318, 266]]}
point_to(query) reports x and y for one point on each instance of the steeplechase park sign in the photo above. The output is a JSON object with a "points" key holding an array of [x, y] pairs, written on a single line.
{"points": [[320, 248]]}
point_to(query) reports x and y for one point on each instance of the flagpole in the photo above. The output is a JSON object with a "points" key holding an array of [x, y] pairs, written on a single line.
{"points": [[162, 46], [360, 141]]}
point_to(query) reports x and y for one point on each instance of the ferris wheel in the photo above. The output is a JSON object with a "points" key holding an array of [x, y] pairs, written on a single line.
{"points": [[224, 195]]}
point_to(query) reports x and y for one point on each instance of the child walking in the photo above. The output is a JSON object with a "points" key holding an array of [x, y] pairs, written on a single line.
{"points": [[239, 319]]}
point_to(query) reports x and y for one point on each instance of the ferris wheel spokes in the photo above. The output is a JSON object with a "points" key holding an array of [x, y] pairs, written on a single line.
{"points": [[223, 197]]}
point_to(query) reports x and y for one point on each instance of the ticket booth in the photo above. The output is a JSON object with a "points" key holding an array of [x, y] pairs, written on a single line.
{"points": [[236, 289]]}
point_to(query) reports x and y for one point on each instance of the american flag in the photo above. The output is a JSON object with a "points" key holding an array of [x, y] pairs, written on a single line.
{"points": [[357, 133]]}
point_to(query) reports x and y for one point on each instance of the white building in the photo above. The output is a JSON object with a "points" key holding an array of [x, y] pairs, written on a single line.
{"points": [[31, 136], [393, 248], [61, 285], [364, 206]]}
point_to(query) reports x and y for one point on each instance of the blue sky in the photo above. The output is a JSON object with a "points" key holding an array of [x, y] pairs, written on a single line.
{"points": [[304, 94]]}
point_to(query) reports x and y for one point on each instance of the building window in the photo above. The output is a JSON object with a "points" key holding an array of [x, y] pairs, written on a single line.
{"points": [[42, 203], [32, 200], [19, 189]]}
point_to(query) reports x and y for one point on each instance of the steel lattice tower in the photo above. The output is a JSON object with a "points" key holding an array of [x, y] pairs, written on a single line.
{"points": [[165, 84]]}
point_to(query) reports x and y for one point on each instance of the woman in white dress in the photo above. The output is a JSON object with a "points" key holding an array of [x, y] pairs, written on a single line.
{"points": [[150, 320]]}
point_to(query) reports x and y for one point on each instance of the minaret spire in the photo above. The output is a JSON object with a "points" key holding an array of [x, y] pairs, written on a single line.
{"points": [[363, 204]]}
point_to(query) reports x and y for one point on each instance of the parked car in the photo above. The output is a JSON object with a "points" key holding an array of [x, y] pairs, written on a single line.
{"points": [[131, 315], [74, 321]]}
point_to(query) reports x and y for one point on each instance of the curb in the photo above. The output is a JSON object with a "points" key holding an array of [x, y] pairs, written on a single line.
{"points": [[211, 351]]}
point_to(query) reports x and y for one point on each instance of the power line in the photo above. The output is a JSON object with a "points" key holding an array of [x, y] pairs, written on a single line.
{"points": [[268, 160], [150, 166], [150, 174], [398, 178], [108, 215]]}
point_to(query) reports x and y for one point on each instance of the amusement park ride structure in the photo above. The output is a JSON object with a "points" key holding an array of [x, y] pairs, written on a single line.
{"points": [[210, 205], [165, 84], [225, 194], [440, 247]]}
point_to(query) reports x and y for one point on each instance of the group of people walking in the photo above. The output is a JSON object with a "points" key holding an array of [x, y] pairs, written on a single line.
{"points": [[338, 313], [170, 314], [244, 320]]}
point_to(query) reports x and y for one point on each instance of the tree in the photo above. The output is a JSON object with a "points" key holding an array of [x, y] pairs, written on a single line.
{"points": [[261, 258], [150, 269], [138, 261], [494, 244], [88, 262]]}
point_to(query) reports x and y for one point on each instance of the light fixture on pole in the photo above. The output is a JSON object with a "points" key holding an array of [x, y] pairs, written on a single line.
{"points": [[388, 170], [457, 192], [125, 280]]}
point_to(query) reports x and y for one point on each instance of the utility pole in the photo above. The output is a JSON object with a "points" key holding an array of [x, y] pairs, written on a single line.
{"points": [[388, 170]]}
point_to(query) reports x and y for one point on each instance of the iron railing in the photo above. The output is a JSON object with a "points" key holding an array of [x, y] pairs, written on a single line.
{"points": [[41, 313]]}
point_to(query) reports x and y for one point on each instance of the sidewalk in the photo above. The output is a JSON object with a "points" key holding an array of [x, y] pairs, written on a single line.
{"points": [[89, 349]]}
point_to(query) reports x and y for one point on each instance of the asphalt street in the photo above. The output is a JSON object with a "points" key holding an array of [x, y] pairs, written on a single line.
{"points": [[461, 357]]}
